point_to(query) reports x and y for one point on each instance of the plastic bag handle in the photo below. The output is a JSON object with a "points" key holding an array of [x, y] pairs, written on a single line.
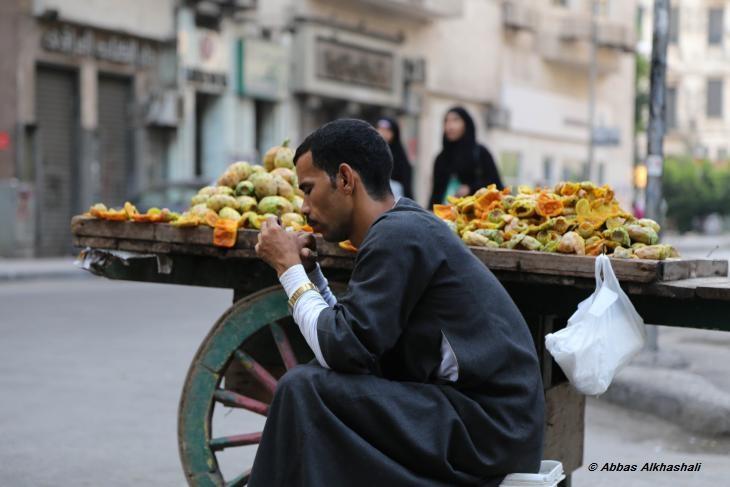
{"points": [[603, 266]]}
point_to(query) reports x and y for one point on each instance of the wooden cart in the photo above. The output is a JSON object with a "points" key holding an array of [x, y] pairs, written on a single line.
{"points": [[255, 341]]}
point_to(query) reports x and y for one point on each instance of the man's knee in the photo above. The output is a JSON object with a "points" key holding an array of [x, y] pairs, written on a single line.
{"points": [[300, 378]]}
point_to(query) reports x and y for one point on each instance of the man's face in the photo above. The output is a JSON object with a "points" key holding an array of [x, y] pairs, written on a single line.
{"points": [[327, 208]]}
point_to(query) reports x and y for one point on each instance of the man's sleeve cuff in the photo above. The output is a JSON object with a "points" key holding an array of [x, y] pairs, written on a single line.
{"points": [[293, 278]]}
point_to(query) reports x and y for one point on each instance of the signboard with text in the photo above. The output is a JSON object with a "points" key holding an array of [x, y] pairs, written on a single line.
{"points": [[262, 69], [356, 65], [104, 46]]}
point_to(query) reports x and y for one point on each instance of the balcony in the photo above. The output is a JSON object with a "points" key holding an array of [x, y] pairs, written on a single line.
{"points": [[566, 40], [517, 15], [420, 9]]}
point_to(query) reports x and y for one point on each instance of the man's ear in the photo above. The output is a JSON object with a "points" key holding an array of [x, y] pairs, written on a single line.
{"points": [[347, 178]]}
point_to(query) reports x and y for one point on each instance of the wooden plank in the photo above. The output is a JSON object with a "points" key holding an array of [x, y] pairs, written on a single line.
{"points": [[144, 247], [705, 287], [676, 269], [709, 268], [202, 235], [198, 241], [564, 426], [635, 270], [96, 242], [92, 227]]}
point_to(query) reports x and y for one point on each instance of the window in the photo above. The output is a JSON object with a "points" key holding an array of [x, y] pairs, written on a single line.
{"points": [[714, 98], [640, 21], [674, 25], [548, 170], [670, 109], [715, 17], [574, 171]]}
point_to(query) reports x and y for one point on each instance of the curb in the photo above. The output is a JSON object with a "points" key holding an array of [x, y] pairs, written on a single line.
{"points": [[10, 275], [686, 399]]}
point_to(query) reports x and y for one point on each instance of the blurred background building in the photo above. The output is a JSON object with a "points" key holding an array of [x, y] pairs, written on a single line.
{"points": [[103, 100], [698, 73]]}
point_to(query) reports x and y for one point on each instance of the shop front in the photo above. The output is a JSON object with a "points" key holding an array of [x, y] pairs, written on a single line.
{"points": [[81, 139]]}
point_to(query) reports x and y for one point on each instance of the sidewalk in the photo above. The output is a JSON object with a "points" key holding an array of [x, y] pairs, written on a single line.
{"points": [[686, 383], [41, 268]]}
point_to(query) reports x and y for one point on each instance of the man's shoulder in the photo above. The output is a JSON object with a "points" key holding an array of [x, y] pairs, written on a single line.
{"points": [[408, 222]]}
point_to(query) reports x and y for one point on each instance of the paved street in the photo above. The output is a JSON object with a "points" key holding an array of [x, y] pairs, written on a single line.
{"points": [[91, 372]]}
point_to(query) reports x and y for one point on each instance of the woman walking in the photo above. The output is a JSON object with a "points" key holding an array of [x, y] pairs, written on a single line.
{"points": [[402, 174], [463, 165]]}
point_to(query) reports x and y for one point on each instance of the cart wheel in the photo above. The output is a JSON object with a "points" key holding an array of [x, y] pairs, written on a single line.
{"points": [[237, 367]]}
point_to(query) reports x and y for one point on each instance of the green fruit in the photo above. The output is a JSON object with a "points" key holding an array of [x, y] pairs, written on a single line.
{"points": [[246, 203], [618, 234], [641, 234], [530, 243], [229, 214], [200, 210], [288, 174], [275, 205], [284, 158], [208, 190], [297, 201], [649, 223], [225, 190], [242, 170], [622, 253], [292, 219], [219, 201], [199, 199], [264, 184], [245, 188], [283, 188], [494, 235]]}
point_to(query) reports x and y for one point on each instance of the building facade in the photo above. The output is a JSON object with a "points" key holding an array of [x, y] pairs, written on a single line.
{"points": [[79, 119], [698, 77], [98, 107]]}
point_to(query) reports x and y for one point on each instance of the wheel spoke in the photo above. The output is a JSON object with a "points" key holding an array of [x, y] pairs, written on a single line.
{"points": [[257, 371], [218, 444], [241, 480], [284, 346], [235, 400]]}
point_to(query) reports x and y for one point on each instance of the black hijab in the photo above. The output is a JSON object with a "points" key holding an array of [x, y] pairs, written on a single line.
{"points": [[460, 155], [470, 162], [401, 166]]}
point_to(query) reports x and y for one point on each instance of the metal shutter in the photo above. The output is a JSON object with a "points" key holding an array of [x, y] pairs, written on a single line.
{"points": [[56, 111], [115, 139]]}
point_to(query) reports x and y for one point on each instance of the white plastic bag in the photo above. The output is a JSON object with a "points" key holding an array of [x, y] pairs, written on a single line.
{"points": [[601, 337]]}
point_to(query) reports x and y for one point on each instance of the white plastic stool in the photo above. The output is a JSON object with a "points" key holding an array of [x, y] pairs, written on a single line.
{"points": [[551, 473]]}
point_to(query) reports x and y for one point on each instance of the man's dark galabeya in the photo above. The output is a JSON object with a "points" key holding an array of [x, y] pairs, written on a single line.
{"points": [[425, 371]]}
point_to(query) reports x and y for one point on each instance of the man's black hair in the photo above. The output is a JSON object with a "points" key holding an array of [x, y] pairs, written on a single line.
{"points": [[356, 143]]}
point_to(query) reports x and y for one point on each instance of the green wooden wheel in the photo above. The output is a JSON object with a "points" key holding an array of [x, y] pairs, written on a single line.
{"points": [[236, 367]]}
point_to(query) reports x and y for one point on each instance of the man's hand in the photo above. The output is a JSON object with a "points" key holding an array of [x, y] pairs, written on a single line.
{"points": [[307, 250], [277, 247]]}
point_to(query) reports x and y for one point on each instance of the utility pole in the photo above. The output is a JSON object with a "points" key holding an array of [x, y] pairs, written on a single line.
{"points": [[592, 71], [657, 103]]}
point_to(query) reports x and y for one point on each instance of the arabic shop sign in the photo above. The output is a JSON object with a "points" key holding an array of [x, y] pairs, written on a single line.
{"points": [[85, 42], [354, 65]]}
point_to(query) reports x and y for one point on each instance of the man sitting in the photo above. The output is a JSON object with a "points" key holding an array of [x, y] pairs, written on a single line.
{"points": [[426, 373]]}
